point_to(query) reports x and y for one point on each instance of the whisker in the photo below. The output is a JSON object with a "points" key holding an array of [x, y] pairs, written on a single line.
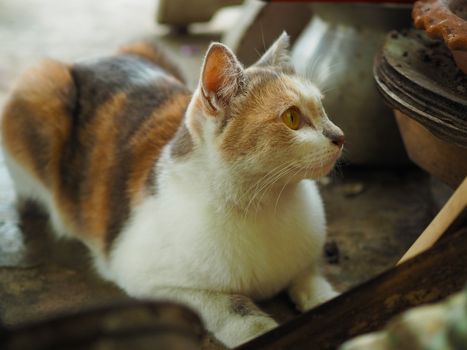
{"points": [[283, 187], [283, 173], [273, 180], [262, 37], [260, 184]]}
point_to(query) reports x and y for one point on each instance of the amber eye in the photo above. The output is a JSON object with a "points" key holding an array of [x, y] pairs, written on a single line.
{"points": [[292, 118]]}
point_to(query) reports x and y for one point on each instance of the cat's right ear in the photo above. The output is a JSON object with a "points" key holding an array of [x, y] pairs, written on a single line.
{"points": [[278, 55], [222, 77]]}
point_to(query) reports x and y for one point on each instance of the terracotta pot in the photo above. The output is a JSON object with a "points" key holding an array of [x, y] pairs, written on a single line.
{"points": [[446, 19], [431, 153], [461, 59], [418, 78]]}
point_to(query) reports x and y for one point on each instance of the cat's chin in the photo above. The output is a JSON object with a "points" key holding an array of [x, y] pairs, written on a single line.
{"points": [[327, 168], [322, 170]]}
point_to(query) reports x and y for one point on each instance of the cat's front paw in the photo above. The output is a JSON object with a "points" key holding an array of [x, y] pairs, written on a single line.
{"points": [[306, 301], [311, 290], [238, 330]]}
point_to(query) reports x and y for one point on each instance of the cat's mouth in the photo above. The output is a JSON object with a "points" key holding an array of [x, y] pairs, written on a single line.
{"points": [[315, 169]]}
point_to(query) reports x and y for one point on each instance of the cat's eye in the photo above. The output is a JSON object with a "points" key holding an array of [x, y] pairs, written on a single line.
{"points": [[292, 118]]}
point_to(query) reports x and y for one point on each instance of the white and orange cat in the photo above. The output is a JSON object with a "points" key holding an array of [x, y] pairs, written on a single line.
{"points": [[202, 198]]}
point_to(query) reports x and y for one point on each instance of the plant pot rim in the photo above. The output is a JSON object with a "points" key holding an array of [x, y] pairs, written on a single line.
{"points": [[423, 88]]}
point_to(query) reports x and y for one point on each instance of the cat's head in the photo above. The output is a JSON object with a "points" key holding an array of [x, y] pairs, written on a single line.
{"points": [[264, 118]]}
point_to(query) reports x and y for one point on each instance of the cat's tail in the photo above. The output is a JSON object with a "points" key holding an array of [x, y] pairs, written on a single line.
{"points": [[149, 50]]}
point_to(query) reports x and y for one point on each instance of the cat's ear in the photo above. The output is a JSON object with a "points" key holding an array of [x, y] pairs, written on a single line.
{"points": [[222, 77], [278, 54]]}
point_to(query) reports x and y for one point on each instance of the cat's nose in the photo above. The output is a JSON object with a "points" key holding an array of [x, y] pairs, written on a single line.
{"points": [[338, 139], [334, 134]]}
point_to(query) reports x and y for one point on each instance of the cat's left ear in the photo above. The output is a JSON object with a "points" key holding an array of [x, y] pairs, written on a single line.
{"points": [[278, 54], [222, 77]]}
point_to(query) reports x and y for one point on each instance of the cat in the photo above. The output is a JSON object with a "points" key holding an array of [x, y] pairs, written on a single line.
{"points": [[204, 198]]}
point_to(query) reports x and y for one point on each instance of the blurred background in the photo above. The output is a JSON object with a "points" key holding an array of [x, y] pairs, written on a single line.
{"points": [[377, 201]]}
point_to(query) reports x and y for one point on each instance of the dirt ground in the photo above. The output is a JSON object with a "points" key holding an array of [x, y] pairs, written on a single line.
{"points": [[374, 214]]}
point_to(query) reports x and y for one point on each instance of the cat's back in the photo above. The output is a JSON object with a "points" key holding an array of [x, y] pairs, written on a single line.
{"points": [[91, 133]]}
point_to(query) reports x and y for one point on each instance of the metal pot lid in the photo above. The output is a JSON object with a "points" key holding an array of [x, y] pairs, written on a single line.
{"points": [[417, 75]]}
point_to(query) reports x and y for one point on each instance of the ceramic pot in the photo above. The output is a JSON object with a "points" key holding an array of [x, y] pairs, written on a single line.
{"points": [[432, 153], [336, 51], [445, 19], [416, 75]]}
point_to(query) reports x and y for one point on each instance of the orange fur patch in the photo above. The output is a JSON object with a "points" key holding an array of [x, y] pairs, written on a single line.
{"points": [[258, 115], [37, 118], [147, 144], [102, 131], [97, 163]]}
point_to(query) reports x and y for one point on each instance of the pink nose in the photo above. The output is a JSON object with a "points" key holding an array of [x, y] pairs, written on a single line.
{"points": [[338, 139], [334, 134]]}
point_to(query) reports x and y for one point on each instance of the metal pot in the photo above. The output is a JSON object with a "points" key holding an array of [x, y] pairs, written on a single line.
{"points": [[337, 50]]}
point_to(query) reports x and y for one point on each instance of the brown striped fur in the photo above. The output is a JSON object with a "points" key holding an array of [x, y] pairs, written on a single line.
{"points": [[91, 133]]}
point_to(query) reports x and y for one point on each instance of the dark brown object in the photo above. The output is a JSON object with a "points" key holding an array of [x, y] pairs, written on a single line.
{"points": [[261, 23], [136, 325], [429, 277], [331, 252]]}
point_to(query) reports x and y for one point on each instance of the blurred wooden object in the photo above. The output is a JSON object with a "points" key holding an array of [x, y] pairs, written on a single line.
{"points": [[181, 13], [428, 277], [136, 325], [436, 326], [454, 209]]}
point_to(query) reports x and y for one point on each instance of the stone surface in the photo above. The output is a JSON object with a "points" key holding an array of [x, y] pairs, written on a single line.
{"points": [[41, 276]]}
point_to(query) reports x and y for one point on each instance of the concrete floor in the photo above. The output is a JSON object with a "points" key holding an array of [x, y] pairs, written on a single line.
{"points": [[374, 215]]}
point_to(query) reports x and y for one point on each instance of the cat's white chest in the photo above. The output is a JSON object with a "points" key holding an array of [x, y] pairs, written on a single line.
{"points": [[175, 241]]}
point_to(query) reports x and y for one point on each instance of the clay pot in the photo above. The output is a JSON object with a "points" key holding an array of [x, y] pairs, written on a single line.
{"points": [[446, 19], [432, 153], [418, 78]]}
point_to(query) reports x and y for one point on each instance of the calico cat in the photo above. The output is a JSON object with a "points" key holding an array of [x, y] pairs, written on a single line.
{"points": [[202, 198]]}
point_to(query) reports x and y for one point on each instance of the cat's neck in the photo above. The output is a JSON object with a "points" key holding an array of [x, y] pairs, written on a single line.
{"points": [[260, 193], [202, 173]]}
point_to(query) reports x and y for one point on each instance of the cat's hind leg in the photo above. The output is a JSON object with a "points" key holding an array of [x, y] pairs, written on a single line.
{"points": [[12, 247], [29, 190], [233, 318]]}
